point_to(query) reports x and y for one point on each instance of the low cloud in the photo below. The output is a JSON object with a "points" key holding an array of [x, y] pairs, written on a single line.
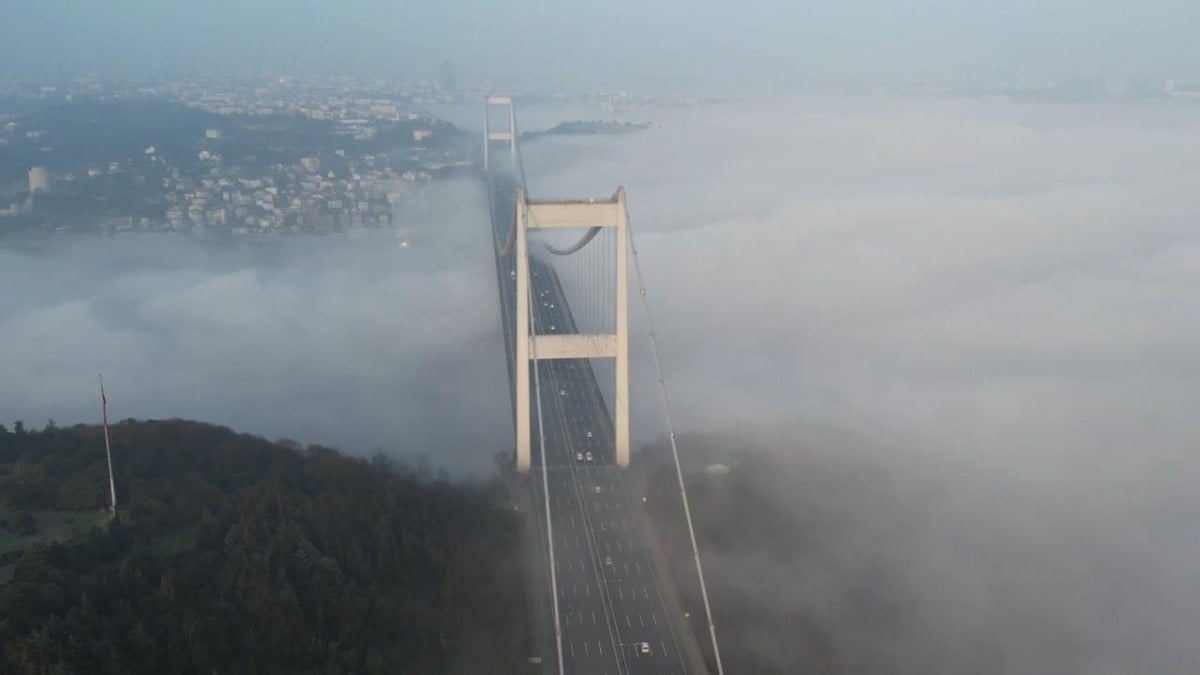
{"points": [[993, 306], [357, 344]]}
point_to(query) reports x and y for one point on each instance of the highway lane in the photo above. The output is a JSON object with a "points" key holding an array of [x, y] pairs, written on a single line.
{"points": [[606, 515], [609, 598], [589, 642]]}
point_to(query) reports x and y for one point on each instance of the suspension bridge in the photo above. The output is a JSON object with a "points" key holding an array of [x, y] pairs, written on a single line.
{"points": [[605, 598]]}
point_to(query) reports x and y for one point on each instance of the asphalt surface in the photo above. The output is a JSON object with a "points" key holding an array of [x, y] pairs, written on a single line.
{"points": [[611, 613]]}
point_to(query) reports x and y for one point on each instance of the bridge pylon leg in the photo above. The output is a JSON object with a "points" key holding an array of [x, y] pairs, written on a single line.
{"points": [[509, 135], [621, 386], [522, 363]]}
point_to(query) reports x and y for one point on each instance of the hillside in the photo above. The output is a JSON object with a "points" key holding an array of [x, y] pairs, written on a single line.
{"points": [[235, 554]]}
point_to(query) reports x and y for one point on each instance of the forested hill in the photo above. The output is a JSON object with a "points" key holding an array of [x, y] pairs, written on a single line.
{"points": [[233, 554]]}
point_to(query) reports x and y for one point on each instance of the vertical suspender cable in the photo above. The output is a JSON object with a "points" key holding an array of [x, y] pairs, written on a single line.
{"points": [[579, 301], [589, 272], [610, 316], [589, 322], [608, 265], [687, 512]]}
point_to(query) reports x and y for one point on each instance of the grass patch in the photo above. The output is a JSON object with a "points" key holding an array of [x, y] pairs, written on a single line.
{"points": [[51, 526]]}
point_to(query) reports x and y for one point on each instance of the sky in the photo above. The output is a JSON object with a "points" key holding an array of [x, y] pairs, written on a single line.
{"points": [[673, 44]]}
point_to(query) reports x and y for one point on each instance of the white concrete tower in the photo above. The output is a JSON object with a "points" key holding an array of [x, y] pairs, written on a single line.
{"points": [[509, 135], [580, 214]]}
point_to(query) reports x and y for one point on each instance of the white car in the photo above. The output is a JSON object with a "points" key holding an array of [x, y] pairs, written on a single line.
{"points": [[588, 456], [562, 392], [579, 456], [597, 489], [644, 649], [589, 433]]}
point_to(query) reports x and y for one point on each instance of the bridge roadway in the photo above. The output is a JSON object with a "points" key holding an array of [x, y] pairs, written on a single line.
{"points": [[609, 598]]}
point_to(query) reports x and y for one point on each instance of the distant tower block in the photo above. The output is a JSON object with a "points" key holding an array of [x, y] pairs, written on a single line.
{"points": [[572, 214], [39, 180], [509, 135], [446, 82]]}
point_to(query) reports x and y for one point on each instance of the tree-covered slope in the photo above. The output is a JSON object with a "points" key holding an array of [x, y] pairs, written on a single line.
{"points": [[235, 554]]}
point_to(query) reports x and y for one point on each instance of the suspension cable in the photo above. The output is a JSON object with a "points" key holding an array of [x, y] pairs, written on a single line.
{"points": [[537, 394], [662, 384], [583, 241]]}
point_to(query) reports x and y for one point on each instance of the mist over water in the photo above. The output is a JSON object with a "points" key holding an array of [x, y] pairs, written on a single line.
{"points": [[963, 331], [978, 271], [357, 344]]}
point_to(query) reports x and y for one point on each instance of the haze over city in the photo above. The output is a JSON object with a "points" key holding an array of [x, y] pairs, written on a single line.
{"points": [[922, 278], [628, 44]]}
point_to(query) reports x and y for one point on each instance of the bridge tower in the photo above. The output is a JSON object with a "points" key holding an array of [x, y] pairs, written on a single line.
{"points": [[571, 214], [509, 135]]}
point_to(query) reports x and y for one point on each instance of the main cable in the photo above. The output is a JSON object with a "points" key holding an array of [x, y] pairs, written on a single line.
{"points": [[537, 394], [662, 383]]}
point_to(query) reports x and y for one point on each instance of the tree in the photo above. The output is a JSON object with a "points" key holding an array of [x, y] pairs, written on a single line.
{"points": [[25, 525], [235, 554]]}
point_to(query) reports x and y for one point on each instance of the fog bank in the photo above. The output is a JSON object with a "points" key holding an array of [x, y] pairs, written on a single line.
{"points": [[357, 344], [985, 311]]}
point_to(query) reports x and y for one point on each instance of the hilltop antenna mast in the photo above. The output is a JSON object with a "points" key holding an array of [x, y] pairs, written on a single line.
{"points": [[112, 485]]}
